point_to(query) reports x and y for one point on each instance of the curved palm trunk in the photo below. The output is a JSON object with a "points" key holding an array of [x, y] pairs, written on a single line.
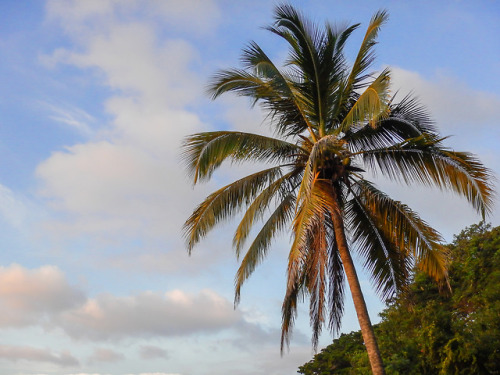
{"points": [[357, 296]]}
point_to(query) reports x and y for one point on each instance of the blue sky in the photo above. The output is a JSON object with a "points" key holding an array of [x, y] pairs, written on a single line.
{"points": [[95, 98]]}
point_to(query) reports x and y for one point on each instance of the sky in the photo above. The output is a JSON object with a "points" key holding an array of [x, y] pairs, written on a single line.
{"points": [[95, 99]]}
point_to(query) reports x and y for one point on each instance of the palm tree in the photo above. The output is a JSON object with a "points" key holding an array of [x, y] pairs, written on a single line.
{"points": [[332, 124]]}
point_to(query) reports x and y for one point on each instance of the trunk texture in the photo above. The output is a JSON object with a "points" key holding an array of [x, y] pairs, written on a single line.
{"points": [[357, 296]]}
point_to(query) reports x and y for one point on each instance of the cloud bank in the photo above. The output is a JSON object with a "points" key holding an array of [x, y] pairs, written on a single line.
{"points": [[44, 297], [31, 354]]}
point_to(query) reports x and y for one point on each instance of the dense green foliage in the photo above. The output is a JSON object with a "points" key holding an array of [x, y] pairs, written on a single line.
{"points": [[430, 331]]}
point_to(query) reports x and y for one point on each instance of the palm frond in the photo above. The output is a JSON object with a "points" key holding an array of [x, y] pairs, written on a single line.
{"points": [[371, 105], [225, 203], [308, 45], [257, 251], [410, 110], [204, 152], [284, 101], [424, 160], [366, 55], [396, 233], [336, 279], [387, 265], [336, 67], [289, 311], [310, 215], [269, 86], [255, 211], [241, 82], [358, 77], [316, 273], [406, 119]]}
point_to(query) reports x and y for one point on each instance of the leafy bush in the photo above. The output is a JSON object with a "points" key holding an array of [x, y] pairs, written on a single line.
{"points": [[427, 330]]}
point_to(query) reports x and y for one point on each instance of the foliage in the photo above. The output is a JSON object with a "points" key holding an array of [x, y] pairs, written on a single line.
{"points": [[426, 330]]}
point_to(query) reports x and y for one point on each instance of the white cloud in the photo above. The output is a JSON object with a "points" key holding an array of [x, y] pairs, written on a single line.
{"points": [[77, 10], [205, 14], [152, 352], [33, 296], [142, 373], [44, 297], [133, 61], [31, 354], [105, 355], [75, 118], [13, 208], [150, 314], [128, 180], [74, 14], [457, 108], [270, 364]]}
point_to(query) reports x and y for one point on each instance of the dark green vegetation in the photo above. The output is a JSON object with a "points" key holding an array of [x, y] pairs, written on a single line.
{"points": [[425, 331], [333, 122]]}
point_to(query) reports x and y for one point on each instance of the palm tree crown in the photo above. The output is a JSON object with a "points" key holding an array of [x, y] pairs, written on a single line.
{"points": [[332, 123]]}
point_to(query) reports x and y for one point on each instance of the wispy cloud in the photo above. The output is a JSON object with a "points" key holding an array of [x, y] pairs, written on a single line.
{"points": [[13, 208], [32, 354], [105, 355], [152, 352], [76, 118]]}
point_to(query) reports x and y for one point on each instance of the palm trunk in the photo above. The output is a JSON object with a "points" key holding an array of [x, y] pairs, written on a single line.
{"points": [[357, 295]]}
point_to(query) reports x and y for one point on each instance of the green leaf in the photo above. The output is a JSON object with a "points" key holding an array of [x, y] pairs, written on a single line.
{"points": [[424, 160], [205, 152], [257, 251], [225, 203]]}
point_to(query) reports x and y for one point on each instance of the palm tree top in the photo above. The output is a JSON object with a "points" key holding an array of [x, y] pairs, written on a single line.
{"points": [[333, 122]]}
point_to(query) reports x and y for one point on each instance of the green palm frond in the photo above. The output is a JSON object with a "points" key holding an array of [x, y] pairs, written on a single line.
{"points": [[411, 111], [357, 77], [387, 265], [337, 67], [371, 106], [225, 203], [388, 132], [268, 85], [316, 273], [283, 100], [257, 251], [303, 37], [309, 220], [424, 160], [204, 152], [336, 281], [366, 55], [281, 187], [311, 55], [406, 119], [241, 82], [400, 233]]}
